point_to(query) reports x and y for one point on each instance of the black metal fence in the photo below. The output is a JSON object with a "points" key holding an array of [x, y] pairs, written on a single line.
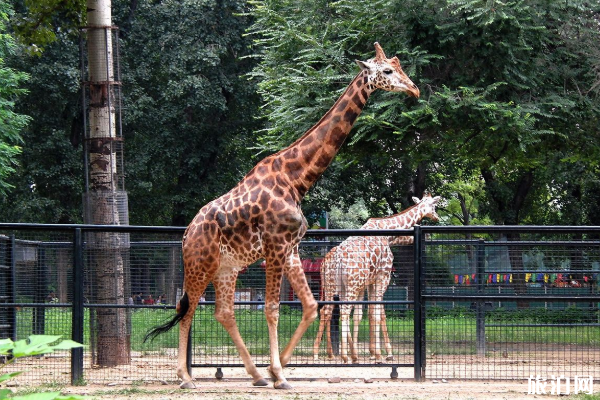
{"points": [[511, 302], [487, 303]]}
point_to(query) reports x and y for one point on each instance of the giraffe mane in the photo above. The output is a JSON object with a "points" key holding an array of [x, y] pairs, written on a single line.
{"points": [[395, 215]]}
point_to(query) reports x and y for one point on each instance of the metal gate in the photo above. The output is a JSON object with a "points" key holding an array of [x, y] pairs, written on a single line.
{"points": [[211, 346]]}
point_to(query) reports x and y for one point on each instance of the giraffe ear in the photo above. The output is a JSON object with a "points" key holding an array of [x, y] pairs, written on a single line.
{"points": [[416, 200], [365, 65], [436, 199]]}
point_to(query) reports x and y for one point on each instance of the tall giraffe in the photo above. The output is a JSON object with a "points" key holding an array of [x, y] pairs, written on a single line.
{"points": [[261, 218], [365, 262]]}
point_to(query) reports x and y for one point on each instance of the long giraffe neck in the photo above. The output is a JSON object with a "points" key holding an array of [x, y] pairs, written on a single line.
{"points": [[305, 160], [404, 220]]}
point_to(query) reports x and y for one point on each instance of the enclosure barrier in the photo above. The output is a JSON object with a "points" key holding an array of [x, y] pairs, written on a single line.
{"points": [[487, 302]]}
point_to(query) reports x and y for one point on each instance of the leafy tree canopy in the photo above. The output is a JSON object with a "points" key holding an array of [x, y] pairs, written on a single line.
{"points": [[40, 22], [189, 113], [11, 88], [507, 89]]}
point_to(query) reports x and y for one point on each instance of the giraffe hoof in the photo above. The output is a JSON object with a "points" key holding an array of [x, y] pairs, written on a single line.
{"points": [[282, 385], [389, 358], [187, 385], [260, 382]]}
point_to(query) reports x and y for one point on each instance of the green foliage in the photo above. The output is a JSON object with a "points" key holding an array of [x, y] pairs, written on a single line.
{"points": [[507, 88], [506, 128], [49, 180], [351, 218], [190, 115], [38, 25], [33, 346], [11, 122]]}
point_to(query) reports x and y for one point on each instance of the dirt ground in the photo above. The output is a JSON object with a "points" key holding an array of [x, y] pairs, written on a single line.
{"points": [[336, 384], [156, 380], [318, 390]]}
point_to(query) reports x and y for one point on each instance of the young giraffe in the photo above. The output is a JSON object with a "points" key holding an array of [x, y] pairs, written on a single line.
{"points": [[261, 218], [325, 320], [365, 262]]}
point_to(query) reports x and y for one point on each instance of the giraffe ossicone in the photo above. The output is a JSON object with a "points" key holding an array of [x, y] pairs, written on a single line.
{"points": [[362, 263], [261, 218]]}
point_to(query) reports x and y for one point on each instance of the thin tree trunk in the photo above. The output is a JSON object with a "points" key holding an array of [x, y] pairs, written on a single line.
{"points": [[108, 259]]}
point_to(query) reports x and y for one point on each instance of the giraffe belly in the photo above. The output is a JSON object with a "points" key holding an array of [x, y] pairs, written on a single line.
{"points": [[239, 257]]}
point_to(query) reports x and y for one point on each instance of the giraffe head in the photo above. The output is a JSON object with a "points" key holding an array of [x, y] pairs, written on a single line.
{"points": [[386, 74], [427, 206]]}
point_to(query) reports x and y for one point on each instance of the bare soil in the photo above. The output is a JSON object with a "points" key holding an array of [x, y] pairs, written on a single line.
{"points": [[336, 383], [148, 378]]}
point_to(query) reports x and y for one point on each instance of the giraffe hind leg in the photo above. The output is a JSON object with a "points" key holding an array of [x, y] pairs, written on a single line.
{"points": [[323, 322], [224, 284], [184, 316], [297, 279], [386, 337]]}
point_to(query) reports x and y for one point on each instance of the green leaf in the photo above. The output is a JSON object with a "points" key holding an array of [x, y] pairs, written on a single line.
{"points": [[48, 396], [67, 344], [10, 375], [34, 345], [6, 345], [39, 396]]}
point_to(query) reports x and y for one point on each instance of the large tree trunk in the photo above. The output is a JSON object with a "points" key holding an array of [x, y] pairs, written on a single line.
{"points": [[105, 201]]}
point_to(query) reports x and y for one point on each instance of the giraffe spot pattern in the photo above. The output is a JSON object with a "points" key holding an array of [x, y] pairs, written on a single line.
{"points": [[261, 218]]}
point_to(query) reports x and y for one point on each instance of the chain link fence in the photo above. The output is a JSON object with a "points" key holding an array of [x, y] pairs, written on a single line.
{"points": [[487, 303]]}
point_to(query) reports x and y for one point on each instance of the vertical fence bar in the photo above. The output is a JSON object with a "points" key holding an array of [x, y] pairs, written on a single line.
{"points": [[419, 322], [480, 304], [77, 308], [39, 313], [13, 286]]}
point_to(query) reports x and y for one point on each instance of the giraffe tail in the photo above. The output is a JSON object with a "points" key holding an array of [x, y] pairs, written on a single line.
{"points": [[182, 309]]}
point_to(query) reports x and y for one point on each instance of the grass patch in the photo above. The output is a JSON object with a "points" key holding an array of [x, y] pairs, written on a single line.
{"points": [[449, 331]]}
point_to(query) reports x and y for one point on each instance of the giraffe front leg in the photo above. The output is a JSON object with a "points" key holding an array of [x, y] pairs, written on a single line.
{"points": [[386, 337], [358, 313], [375, 322], [224, 284], [274, 272], [371, 332]]}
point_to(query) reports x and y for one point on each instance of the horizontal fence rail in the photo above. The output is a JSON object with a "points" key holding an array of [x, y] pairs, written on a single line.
{"points": [[484, 302]]}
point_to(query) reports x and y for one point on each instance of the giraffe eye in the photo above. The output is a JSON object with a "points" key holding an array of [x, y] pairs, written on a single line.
{"points": [[387, 71]]}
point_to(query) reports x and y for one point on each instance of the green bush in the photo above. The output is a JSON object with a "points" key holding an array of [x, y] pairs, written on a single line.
{"points": [[33, 346]]}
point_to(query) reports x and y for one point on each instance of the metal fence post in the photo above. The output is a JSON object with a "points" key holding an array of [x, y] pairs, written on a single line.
{"points": [[12, 287], [77, 308], [480, 308], [419, 321]]}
